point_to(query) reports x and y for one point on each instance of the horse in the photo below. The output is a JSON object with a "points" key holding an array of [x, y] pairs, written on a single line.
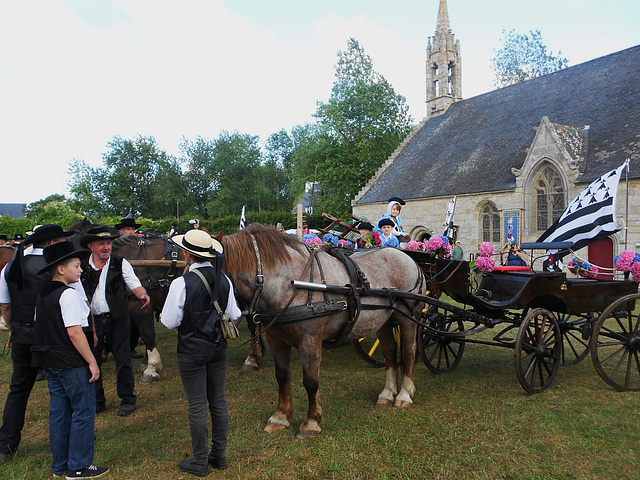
{"points": [[262, 263], [155, 276]]}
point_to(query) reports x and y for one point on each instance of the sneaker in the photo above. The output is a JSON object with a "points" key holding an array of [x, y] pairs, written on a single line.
{"points": [[219, 463], [196, 469], [126, 409], [90, 472]]}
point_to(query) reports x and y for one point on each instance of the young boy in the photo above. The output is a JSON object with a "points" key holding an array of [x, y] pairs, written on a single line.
{"points": [[388, 239], [61, 346]]}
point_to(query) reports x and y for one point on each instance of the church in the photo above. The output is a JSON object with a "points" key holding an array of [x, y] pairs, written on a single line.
{"points": [[515, 157]]}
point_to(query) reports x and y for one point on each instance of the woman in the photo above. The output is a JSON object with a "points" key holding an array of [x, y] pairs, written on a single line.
{"points": [[514, 256]]}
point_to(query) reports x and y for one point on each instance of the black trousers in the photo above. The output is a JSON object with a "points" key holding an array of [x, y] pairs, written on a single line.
{"points": [[115, 334], [22, 381]]}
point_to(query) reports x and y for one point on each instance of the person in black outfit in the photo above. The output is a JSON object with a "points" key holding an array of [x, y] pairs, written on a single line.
{"points": [[19, 288], [106, 279]]}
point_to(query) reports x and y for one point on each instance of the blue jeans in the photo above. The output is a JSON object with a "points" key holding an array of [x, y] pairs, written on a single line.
{"points": [[72, 415], [204, 384]]}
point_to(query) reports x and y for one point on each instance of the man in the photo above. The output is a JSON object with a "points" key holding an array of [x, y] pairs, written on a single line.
{"points": [[19, 288], [202, 348], [106, 278], [194, 224], [456, 252], [128, 226]]}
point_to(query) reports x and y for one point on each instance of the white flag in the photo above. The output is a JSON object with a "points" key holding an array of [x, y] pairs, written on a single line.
{"points": [[591, 215], [243, 222], [448, 222]]}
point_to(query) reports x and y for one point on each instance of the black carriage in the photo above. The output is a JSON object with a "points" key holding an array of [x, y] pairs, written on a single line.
{"points": [[549, 320]]}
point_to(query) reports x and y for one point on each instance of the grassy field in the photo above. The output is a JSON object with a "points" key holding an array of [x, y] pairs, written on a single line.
{"points": [[473, 423]]}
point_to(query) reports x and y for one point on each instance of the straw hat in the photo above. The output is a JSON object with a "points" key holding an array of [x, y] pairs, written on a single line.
{"points": [[199, 243]]}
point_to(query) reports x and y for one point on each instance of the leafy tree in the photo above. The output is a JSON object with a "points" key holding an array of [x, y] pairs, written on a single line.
{"points": [[53, 209], [360, 125], [198, 155], [523, 57]]}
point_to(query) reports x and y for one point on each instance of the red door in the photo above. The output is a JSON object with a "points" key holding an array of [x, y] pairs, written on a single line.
{"points": [[601, 255]]}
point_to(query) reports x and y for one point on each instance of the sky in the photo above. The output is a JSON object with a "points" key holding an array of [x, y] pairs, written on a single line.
{"points": [[74, 74]]}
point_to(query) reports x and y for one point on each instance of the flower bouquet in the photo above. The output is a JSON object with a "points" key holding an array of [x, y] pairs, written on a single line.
{"points": [[582, 268], [438, 245], [371, 240], [413, 245], [629, 262], [484, 262]]}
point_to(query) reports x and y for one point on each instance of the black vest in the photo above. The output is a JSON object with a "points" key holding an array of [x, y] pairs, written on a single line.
{"points": [[200, 332], [115, 288], [23, 300], [52, 347]]}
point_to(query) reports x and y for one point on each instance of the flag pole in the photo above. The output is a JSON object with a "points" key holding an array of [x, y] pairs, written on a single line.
{"points": [[626, 217]]}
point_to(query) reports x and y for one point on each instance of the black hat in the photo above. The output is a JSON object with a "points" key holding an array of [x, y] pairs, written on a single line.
{"points": [[386, 221], [59, 252], [47, 232], [365, 226], [18, 236], [397, 200], [128, 222], [4, 237], [94, 234]]}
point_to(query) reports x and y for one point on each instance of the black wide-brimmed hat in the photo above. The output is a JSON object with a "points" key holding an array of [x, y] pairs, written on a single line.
{"points": [[47, 232], [397, 200], [199, 243], [103, 232], [128, 222], [365, 226], [58, 253], [4, 237], [386, 221]]}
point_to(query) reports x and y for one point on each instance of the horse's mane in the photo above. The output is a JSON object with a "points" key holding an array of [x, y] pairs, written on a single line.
{"points": [[240, 255]]}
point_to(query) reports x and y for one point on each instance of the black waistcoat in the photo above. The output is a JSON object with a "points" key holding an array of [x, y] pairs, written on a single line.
{"points": [[200, 332], [23, 300], [52, 347], [115, 288]]}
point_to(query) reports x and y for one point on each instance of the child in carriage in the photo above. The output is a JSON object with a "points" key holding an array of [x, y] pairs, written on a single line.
{"points": [[388, 239]]}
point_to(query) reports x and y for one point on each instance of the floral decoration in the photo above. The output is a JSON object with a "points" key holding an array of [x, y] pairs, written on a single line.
{"points": [[311, 239], [582, 268], [371, 240], [484, 260], [327, 239], [438, 245], [629, 261], [413, 245]]}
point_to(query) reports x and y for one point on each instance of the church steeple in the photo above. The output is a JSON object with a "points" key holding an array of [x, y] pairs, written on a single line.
{"points": [[444, 66]]}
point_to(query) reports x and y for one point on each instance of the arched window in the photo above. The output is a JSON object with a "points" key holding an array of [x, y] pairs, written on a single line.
{"points": [[490, 221], [549, 197]]}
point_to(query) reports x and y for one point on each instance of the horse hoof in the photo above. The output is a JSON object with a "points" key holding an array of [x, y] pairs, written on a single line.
{"points": [[384, 402], [308, 429], [306, 434], [247, 367], [402, 404], [141, 368], [272, 427], [149, 378]]}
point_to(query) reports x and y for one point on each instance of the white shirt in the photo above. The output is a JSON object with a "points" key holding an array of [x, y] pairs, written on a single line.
{"points": [[173, 310], [75, 311], [4, 287], [99, 303]]}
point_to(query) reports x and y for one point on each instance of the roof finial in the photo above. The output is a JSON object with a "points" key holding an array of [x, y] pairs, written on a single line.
{"points": [[443, 18]]}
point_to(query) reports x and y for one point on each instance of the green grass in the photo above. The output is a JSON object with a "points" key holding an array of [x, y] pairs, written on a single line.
{"points": [[473, 423]]}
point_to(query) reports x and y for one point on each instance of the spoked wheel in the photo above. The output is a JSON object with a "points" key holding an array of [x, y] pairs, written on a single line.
{"points": [[368, 349], [575, 331], [538, 349], [440, 353], [615, 344]]}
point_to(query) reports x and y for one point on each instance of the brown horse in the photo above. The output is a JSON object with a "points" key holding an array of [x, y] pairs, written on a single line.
{"points": [[281, 258], [157, 255]]}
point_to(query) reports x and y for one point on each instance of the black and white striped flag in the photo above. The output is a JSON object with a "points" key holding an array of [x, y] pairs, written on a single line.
{"points": [[591, 215], [243, 222]]}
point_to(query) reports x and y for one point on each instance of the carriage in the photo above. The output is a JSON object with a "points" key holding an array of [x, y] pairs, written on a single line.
{"points": [[547, 318]]}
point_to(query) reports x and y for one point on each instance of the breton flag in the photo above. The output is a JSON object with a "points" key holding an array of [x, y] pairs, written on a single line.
{"points": [[448, 221], [591, 215], [243, 222]]}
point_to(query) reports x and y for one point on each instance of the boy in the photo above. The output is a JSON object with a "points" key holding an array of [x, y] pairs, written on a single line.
{"points": [[61, 346], [388, 239]]}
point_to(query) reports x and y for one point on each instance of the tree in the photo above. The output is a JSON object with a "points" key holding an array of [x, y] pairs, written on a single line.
{"points": [[523, 57], [53, 209], [360, 125]]}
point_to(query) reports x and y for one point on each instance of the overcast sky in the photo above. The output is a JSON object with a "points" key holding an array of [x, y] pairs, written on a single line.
{"points": [[76, 73]]}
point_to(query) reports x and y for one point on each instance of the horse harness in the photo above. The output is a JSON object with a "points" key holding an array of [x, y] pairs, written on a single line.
{"points": [[358, 286]]}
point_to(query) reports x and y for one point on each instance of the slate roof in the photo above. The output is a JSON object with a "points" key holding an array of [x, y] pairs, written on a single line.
{"points": [[472, 147], [14, 210]]}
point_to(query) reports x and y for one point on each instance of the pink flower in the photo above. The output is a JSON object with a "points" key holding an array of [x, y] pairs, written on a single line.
{"points": [[486, 249], [626, 260], [591, 273], [413, 245], [635, 272], [485, 264], [434, 243]]}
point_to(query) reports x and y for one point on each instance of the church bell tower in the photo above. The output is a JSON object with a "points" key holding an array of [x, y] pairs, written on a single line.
{"points": [[444, 67]]}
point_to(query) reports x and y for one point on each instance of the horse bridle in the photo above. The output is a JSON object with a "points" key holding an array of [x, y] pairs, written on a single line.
{"points": [[259, 279]]}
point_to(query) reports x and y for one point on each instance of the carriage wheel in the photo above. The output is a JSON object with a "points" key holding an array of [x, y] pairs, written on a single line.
{"points": [[440, 353], [615, 344], [575, 331], [538, 349], [368, 349]]}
